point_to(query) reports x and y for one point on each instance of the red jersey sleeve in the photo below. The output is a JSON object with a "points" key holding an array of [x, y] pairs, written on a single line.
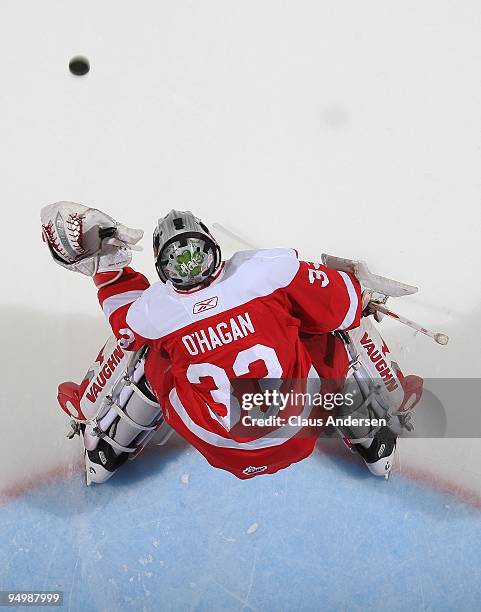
{"points": [[324, 300], [116, 293]]}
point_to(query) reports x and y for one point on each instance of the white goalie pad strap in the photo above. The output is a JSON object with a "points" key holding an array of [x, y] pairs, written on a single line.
{"points": [[117, 446], [142, 395], [147, 433], [118, 421], [123, 415]]}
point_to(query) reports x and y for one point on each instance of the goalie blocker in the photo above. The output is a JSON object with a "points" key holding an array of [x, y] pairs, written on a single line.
{"points": [[113, 410]]}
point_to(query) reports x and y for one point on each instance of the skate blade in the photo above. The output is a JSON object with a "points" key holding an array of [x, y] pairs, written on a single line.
{"points": [[88, 480]]}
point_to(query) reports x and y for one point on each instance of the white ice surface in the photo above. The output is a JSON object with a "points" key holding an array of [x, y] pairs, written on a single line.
{"points": [[350, 128]]}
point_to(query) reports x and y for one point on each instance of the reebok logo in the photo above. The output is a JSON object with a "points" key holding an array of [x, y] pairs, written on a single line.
{"points": [[205, 305], [254, 470]]}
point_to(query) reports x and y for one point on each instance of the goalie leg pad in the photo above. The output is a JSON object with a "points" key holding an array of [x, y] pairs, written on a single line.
{"points": [[379, 387], [128, 433], [124, 416], [380, 393]]}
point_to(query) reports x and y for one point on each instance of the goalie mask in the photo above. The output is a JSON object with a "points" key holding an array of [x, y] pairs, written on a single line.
{"points": [[185, 251]]}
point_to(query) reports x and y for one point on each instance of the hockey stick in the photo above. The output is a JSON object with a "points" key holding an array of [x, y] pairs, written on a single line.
{"points": [[227, 232], [385, 286], [436, 336]]}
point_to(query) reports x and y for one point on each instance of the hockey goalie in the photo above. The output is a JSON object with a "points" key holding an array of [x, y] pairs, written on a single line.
{"points": [[180, 345]]}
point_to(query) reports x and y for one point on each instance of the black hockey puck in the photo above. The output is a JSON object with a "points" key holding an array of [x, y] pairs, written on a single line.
{"points": [[79, 65]]}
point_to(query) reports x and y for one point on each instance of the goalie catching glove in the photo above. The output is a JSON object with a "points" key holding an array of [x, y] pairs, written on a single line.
{"points": [[87, 240]]}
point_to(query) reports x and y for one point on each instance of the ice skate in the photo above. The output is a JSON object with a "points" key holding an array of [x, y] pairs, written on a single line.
{"points": [[378, 452], [102, 461]]}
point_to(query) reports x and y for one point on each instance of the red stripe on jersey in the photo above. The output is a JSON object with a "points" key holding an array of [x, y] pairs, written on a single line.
{"points": [[130, 280], [102, 279]]}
